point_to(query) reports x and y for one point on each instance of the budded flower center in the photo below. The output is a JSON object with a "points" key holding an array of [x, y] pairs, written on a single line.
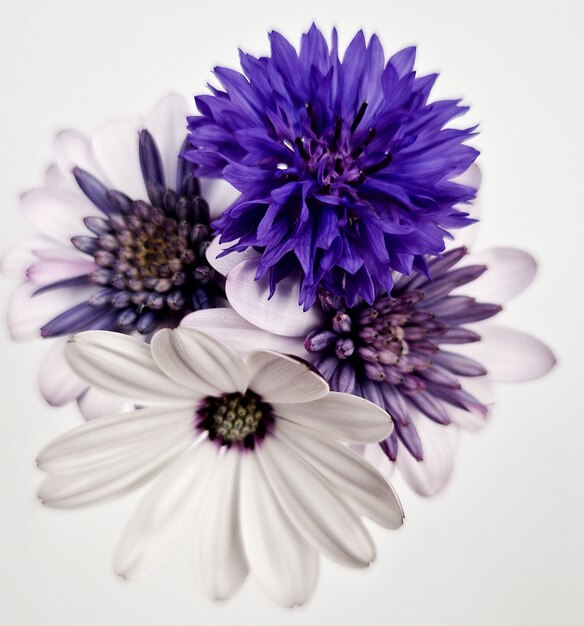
{"points": [[235, 418]]}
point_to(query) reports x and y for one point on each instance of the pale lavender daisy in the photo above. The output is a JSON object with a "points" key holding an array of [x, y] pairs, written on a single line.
{"points": [[247, 456], [121, 228]]}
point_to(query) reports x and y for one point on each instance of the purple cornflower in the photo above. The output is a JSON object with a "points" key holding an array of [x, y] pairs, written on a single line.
{"points": [[345, 168], [123, 227]]}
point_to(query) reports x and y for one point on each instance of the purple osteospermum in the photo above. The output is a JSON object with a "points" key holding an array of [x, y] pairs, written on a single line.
{"points": [[428, 353], [124, 227], [345, 168]]}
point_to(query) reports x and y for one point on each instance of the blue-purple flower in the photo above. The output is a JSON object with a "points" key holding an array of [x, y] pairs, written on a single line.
{"points": [[346, 169], [123, 227]]}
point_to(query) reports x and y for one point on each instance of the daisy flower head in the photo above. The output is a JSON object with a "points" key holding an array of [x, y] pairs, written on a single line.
{"points": [[122, 226], [345, 167], [248, 457], [428, 351]]}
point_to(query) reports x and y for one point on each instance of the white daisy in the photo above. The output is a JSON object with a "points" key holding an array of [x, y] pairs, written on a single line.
{"points": [[248, 457]]}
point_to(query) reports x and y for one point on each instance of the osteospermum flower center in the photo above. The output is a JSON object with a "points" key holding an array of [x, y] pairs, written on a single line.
{"points": [[235, 418]]}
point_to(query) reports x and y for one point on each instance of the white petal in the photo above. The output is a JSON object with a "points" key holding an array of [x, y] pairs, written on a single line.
{"points": [[57, 214], [281, 314], [199, 361], [27, 313], [373, 454], [16, 260], [367, 491], [219, 195], [509, 355], [116, 149], [316, 510], [228, 326], [481, 388], [161, 521], [106, 439], [340, 416], [285, 565], [73, 149], [167, 124], [220, 564], [58, 383], [123, 366], [466, 236], [226, 263], [45, 271], [280, 378], [56, 178], [429, 476], [94, 403], [509, 272], [115, 478]]}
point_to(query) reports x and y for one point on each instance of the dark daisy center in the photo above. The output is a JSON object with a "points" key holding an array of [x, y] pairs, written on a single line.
{"points": [[337, 156], [235, 418]]}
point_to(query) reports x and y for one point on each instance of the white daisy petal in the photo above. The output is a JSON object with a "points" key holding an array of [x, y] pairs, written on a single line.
{"points": [[285, 565], [226, 263], [509, 272], [509, 355], [466, 236], [106, 439], [373, 454], [27, 312], [56, 178], [220, 563], [429, 476], [219, 195], [73, 149], [228, 326], [45, 271], [195, 359], [123, 366], [278, 378], [367, 491], [16, 260], [111, 480], [481, 388], [167, 124], [339, 415], [57, 214], [165, 514], [116, 151], [94, 403], [58, 383], [324, 519], [281, 314]]}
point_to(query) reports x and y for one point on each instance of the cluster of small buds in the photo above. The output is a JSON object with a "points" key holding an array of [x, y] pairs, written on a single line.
{"points": [[235, 418]]}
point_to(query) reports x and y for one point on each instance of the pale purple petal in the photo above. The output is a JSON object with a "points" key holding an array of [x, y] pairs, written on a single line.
{"points": [[58, 383]]}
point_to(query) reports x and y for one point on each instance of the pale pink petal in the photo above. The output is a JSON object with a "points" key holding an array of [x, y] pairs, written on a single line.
{"points": [[16, 260], [116, 149], [228, 326], [509, 355], [219, 195], [283, 562], [199, 361], [429, 476], [56, 178], [366, 490], [47, 271], [27, 313], [166, 513], [58, 383], [280, 379], [281, 314], [167, 124], [94, 403], [509, 272], [220, 563], [314, 507], [73, 149], [226, 263], [123, 366], [57, 214], [481, 388], [466, 236]]}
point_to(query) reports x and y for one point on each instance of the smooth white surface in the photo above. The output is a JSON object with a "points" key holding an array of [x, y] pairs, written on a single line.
{"points": [[503, 545]]}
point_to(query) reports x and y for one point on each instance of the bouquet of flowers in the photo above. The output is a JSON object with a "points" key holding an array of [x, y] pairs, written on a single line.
{"points": [[266, 306]]}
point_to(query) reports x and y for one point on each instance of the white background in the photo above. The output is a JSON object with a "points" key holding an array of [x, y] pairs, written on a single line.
{"points": [[503, 545]]}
